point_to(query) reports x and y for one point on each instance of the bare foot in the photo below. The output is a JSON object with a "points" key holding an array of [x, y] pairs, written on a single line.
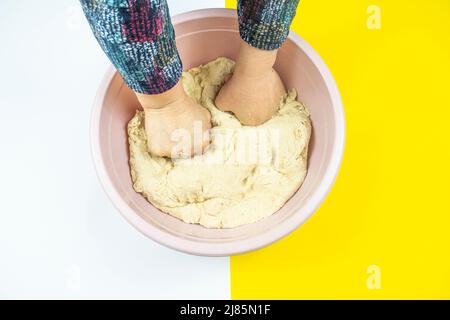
{"points": [[254, 91], [176, 126]]}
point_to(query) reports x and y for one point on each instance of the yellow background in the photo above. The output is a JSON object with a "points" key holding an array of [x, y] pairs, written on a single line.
{"points": [[390, 204]]}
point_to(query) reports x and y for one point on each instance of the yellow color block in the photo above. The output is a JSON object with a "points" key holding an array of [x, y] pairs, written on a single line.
{"points": [[384, 230]]}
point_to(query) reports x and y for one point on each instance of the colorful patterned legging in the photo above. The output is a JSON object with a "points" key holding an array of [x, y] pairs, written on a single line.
{"points": [[138, 36]]}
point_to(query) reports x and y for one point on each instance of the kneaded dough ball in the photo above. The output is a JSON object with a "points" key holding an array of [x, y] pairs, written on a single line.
{"points": [[247, 173]]}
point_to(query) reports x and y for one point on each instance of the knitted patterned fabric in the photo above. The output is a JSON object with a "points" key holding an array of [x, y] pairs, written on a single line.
{"points": [[265, 24], [138, 36]]}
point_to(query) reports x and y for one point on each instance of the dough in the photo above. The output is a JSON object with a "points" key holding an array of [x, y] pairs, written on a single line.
{"points": [[225, 187]]}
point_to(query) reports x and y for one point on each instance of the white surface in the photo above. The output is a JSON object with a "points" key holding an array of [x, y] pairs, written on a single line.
{"points": [[60, 237]]}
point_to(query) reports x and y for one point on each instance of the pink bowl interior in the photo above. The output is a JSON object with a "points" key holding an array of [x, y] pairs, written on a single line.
{"points": [[200, 39]]}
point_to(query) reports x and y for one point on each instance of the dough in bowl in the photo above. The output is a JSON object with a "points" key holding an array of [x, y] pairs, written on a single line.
{"points": [[246, 174]]}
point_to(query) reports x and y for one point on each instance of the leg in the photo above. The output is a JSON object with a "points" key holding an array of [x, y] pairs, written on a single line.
{"points": [[255, 89], [139, 39]]}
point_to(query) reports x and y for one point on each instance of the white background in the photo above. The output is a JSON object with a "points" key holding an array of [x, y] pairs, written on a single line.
{"points": [[60, 237]]}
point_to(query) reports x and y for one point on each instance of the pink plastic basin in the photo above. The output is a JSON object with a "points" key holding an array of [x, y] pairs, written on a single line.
{"points": [[202, 36]]}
